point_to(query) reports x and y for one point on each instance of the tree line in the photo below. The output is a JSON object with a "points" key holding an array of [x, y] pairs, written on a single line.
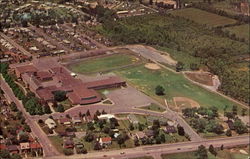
{"points": [[31, 103]]}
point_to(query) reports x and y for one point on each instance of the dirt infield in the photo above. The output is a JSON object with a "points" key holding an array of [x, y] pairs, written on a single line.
{"points": [[183, 102], [205, 78], [152, 66]]}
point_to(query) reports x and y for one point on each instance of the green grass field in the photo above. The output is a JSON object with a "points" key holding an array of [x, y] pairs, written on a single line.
{"points": [[203, 17], [175, 86], [57, 142], [104, 63], [241, 31], [153, 107]]}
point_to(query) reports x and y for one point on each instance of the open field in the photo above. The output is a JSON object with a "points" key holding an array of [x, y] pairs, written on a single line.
{"points": [[153, 107], [203, 17], [104, 63], [175, 86], [201, 77], [241, 31]]}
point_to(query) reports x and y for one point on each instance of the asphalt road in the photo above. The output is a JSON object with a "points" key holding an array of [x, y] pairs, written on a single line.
{"points": [[37, 132], [155, 150]]}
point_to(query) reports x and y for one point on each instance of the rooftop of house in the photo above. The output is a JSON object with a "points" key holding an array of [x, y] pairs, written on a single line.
{"points": [[105, 139], [64, 120], [35, 145]]}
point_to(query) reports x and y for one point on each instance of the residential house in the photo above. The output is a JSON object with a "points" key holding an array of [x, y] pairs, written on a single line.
{"points": [[105, 141], [14, 149], [170, 129], [76, 120], [25, 147], [68, 144], [35, 146], [65, 121], [106, 116]]}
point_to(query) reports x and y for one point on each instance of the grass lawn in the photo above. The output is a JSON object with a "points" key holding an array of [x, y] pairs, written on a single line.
{"points": [[66, 104], [57, 142], [103, 63], [185, 155], [241, 31], [153, 107], [175, 86], [203, 17]]}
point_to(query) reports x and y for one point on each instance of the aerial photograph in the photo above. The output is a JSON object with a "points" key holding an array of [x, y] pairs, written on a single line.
{"points": [[124, 79]]}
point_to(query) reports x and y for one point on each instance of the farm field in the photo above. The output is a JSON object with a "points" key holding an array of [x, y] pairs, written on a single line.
{"points": [[175, 86], [241, 31], [104, 63], [203, 17]]}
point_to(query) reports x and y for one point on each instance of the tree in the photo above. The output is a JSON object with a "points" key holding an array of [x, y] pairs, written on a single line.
{"points": [[194, 66], [229, 115], [68, 152], [212, 150], [13, 107], [156, 124], [97, 113], [181, 130], [140, 127], [179, 66], [88, 113], [201, 152], [97, 146], [235, 110], [103, 112], [46, 109], [27, 128], [239, 126], [60, 95], [229, 132], [4, 154], [131, 127], [150, 2], [89, 137], [159, 90], [16, 156], [60, 108], [163, 139], [243, 111], [136, 142], [90, 126], [24, 137], [120, 140]]}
